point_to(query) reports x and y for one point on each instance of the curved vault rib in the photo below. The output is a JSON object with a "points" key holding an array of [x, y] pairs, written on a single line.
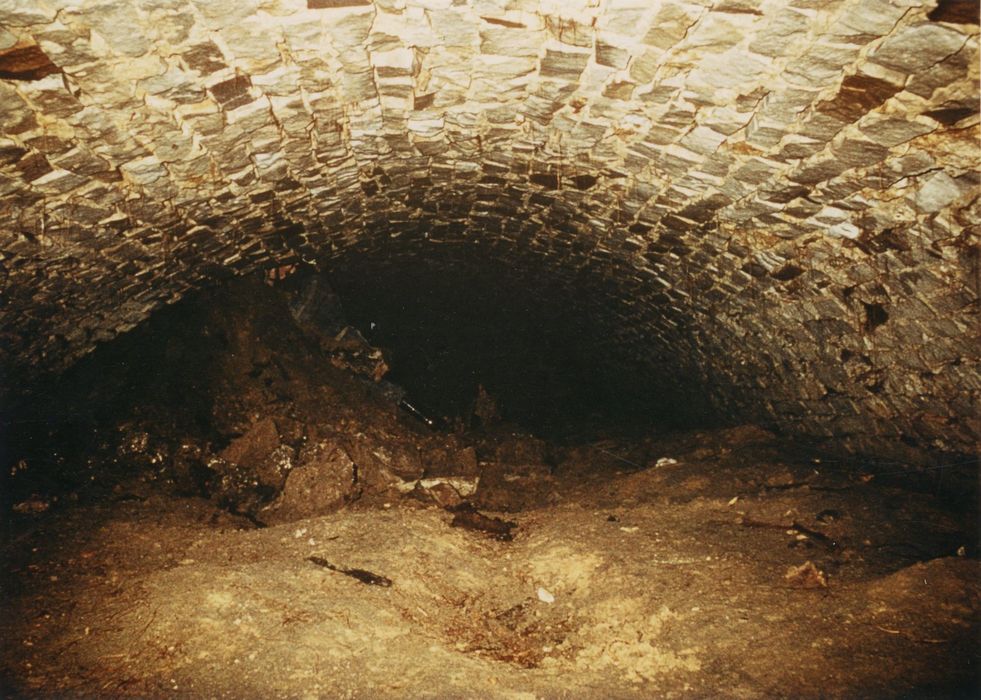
{"points": [[784, 195]]}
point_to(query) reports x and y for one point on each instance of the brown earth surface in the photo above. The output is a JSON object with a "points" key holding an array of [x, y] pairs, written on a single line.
{"points": [[660, 581]]}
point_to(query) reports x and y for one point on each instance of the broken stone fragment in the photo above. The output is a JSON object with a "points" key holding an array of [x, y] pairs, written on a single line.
{"points": [[234, 488], [939, 191], [25, 62], [448, 459], [383, 460], [324, 482], [349, 350], [807, 576], [260, 452], [437, 491], [918, 47]]}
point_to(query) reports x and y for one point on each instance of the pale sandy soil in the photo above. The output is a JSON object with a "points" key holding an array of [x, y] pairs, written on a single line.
{"points": [[657, 582]]}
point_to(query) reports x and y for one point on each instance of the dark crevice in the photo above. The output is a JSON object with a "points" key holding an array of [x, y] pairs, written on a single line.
{"points": [[875, 316], [956, 11]]}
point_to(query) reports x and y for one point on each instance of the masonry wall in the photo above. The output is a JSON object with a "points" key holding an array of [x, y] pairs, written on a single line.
{"points": [[777, 197]]}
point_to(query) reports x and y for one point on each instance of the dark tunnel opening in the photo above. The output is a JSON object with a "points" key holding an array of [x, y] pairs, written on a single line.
{"points": [[541, 345], [464, 344]]}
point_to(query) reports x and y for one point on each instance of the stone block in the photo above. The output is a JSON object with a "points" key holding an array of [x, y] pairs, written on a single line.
{"points": [[918, 47]]}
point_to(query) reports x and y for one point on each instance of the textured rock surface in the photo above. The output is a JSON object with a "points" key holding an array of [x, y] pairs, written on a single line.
{"points": [[778, 197]]}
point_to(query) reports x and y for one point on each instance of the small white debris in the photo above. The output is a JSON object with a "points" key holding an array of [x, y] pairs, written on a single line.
{"points": [[299, 532], [632, 528], [961, 551], [732, 501], [665, 462], [545, 596], [464, 485]]}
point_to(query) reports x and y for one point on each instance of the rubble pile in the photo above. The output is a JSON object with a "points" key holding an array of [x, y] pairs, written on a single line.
{"points": [[262, 400]]}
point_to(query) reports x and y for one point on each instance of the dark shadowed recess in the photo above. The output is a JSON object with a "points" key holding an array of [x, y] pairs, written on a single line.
{"points": [[542, 343]]}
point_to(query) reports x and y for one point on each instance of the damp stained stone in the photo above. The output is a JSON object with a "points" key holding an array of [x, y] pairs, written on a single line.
{"points": [[26, 62], [858, 95], [425, 101], [503, 22], [584, 182], [787, 273], [205, 58], [956, 11], [336, 4], [948, 116], [34, 166], [233, 92], [547, 180]]}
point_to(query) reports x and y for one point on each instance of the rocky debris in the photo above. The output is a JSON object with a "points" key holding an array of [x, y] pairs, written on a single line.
{"points": [[235, 488], [446, 492], [348, 350], [188, 468], [807, 575], [325, 479], [249, 409], [260, 452]]}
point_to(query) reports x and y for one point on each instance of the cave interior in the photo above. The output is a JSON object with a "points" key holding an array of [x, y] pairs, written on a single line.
{"points": [[486, 348]]}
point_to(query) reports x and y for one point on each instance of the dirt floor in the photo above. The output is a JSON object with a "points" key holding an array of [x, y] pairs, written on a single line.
{"points": [[728, 573], [232, 502]]}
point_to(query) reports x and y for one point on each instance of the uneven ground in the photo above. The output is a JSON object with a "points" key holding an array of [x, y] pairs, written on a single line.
{"points": [[162, 505], [667, 581]]}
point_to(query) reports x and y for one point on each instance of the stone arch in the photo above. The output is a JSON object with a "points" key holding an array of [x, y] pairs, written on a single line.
{"points": [[782, 196]]}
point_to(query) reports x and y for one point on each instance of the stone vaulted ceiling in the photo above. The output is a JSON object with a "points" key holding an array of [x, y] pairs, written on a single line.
{"points": [[778, 196]]}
